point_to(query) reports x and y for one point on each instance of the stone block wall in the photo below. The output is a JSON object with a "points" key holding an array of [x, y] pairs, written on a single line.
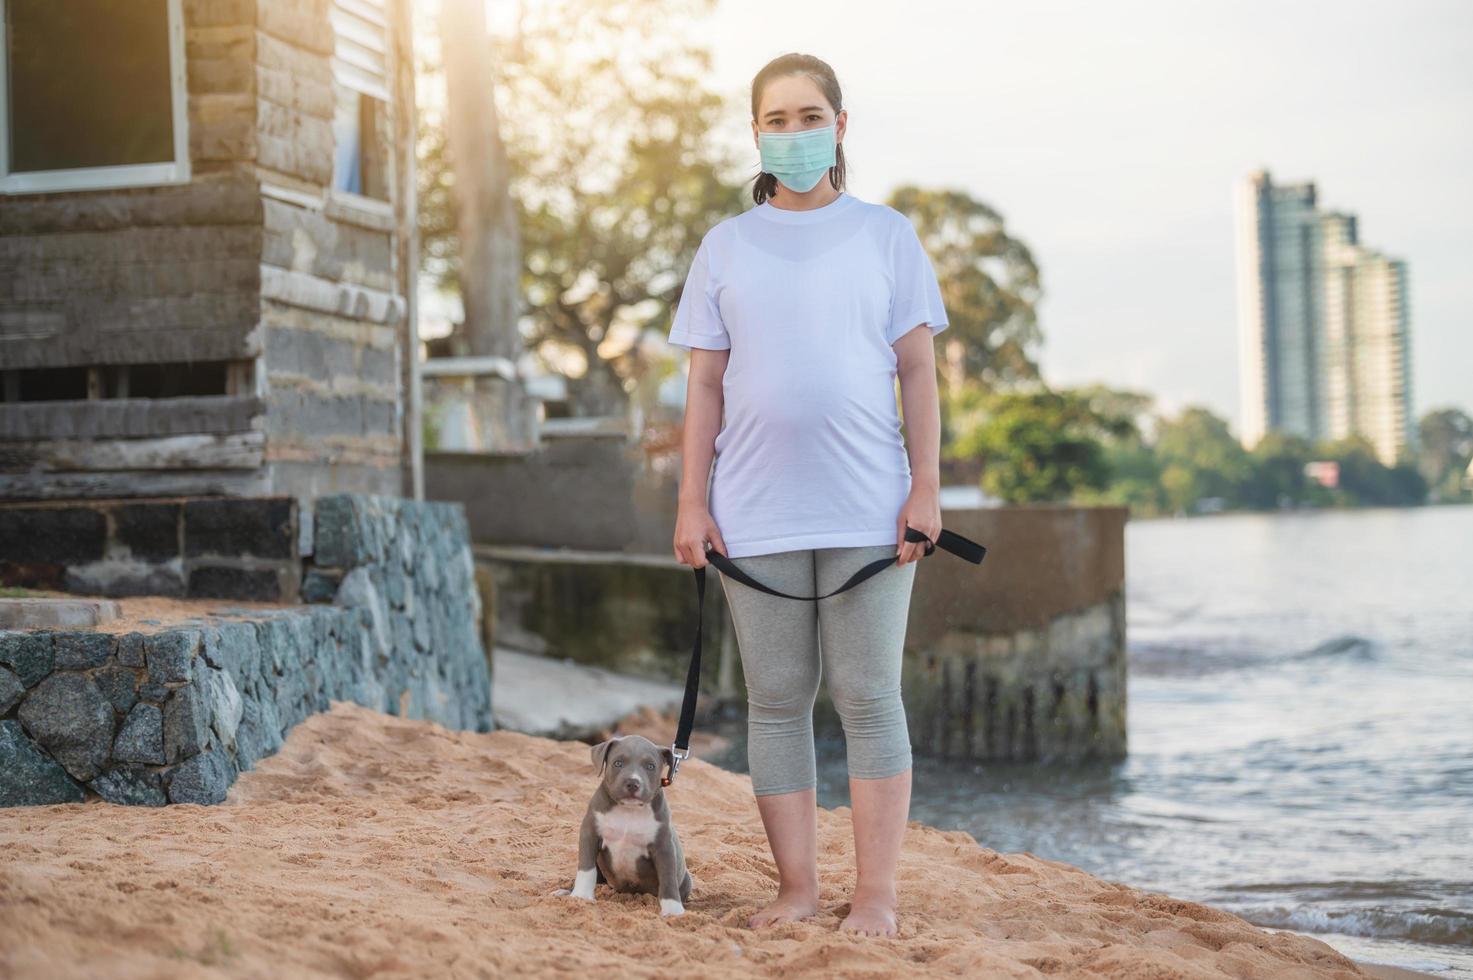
{"points": [[210, 547], [172, 715]]}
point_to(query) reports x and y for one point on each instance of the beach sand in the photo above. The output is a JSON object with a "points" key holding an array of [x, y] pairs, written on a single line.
{"points": [[372, 846]]}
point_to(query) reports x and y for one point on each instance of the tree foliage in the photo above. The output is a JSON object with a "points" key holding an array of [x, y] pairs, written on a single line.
{"points": [[1446, 438], [607, 123], [1038, 445], [989, 284]]}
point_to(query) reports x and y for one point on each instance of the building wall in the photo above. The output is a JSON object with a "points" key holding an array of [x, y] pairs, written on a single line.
{"points": [[154, 275], [255, 269]]}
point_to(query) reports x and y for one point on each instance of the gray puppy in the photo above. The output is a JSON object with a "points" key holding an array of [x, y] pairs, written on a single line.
{"points": [[627, 838]]}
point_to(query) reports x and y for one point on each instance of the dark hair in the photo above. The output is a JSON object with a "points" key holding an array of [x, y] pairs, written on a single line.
{"points": [[764, 185]]}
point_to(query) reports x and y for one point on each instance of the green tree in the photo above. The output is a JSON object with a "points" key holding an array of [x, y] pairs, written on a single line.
{"points": [[1039, 446], [616, 179], [1277, 475], [989, 283], [1446, 449], [1200, 458], [1366, 481]]}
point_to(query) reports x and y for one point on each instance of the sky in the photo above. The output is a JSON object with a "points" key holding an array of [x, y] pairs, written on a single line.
{"points": [[1110, 135]]}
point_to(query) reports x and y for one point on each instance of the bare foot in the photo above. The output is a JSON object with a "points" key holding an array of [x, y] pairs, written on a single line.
{"points": [[787, 907], [871, 915]]}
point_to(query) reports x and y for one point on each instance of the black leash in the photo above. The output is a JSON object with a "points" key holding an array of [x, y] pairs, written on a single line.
{"points": [[680, 749]]}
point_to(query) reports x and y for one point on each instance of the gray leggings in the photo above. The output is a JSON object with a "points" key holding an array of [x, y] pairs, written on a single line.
{"points": [[858, 636]]}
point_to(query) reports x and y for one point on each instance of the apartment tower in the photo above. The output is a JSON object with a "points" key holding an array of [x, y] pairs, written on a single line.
{"points": [[1322, 323]]}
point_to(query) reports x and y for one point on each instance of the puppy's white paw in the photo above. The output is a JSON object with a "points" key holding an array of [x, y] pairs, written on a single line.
{"points": [[671, 906], [583, 883]]}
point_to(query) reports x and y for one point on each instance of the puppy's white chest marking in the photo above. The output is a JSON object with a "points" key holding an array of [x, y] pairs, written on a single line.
{"points": [[628, 832]]}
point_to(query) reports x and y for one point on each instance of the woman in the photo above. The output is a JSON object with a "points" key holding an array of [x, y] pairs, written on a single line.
{"points": [[800, 313]]}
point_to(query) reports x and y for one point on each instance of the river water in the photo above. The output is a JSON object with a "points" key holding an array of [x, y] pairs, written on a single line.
{"points": [[1300, 711]]}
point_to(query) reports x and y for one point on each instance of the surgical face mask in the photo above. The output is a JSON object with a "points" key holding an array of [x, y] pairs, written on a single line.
{"points": [[798, 159]]}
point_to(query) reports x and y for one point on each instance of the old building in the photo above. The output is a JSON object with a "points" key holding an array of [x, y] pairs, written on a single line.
{"points": [[206, 238]]}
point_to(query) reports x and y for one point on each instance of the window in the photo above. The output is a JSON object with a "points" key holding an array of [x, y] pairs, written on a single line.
{"points": [[361, 154], [91, 94], [361, 122]]}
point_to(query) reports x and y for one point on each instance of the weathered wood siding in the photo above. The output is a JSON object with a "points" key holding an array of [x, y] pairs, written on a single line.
{"points": [[253, 262]]}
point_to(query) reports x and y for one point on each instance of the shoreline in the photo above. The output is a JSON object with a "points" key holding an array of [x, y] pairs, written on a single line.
{"points": [[1384, 971]]}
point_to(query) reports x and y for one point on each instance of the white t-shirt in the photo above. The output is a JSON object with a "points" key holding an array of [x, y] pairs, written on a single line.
{"points": [[810, 454]]}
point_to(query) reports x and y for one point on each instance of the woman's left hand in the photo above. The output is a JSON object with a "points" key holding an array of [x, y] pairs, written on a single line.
{"points": [[922, 511]]}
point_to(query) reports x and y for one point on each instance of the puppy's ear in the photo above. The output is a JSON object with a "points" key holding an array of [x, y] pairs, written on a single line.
{"points": [[669, 756], [601, 753]]}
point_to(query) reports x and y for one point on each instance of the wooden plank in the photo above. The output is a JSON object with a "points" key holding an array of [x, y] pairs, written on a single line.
{"points": [[222, 127], [192, 343], [131, 246], [278, 316], [341, 299], [140, 483], [310, 241], [306, 155], [236, 451], [224, 198], [219, 13], [302, 24], [129, 418]]}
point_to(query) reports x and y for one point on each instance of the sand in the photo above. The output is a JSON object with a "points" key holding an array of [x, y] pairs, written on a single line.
{"points": [[372, 846]]}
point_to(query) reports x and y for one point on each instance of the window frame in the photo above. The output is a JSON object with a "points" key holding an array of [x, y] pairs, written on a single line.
{"points": [[176, 171]]}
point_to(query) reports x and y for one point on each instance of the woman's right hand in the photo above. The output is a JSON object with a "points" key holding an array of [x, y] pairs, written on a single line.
{"points": [[693, 528]]}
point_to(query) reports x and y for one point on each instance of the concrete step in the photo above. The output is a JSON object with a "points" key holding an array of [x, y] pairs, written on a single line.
{"points": [[40, 613], [567, 700]]}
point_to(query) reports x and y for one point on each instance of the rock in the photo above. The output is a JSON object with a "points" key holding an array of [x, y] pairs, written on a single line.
{"points": [[225, 707], [152, 691], [186, 723], [131, 786], [130, 650], [171, 655], [203, 779], [234, 649], [259, 734], [30, 655], [142, 737], [340, 530], [82, 650], [396, 586], [358, 592], [11, 691], [119, 685], [70, 718], [422, 626], [29, 777], [320, 585]]}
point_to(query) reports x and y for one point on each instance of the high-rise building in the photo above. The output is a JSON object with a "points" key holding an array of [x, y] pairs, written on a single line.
{"points": [[1322, 324]]}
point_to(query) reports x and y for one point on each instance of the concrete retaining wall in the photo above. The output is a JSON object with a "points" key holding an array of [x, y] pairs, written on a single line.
{"points": [[173, 715], [1021, 658]]}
